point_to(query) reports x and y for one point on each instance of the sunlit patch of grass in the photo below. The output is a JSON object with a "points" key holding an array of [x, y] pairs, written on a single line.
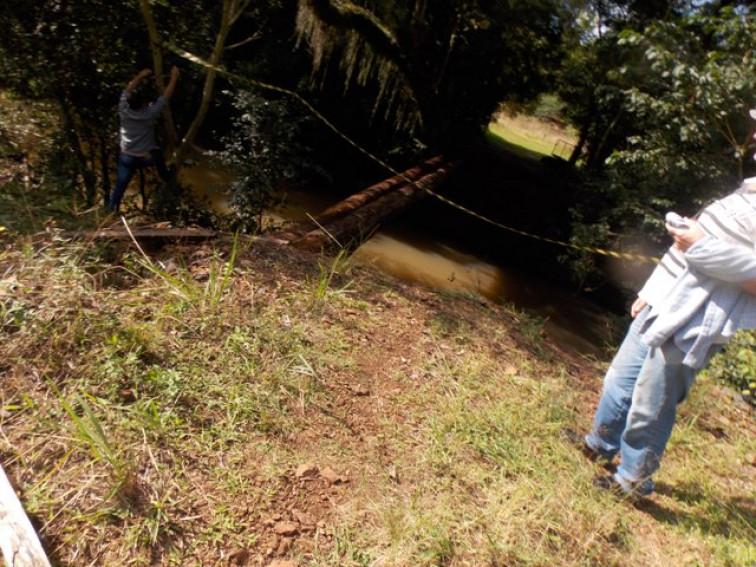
{"points": [[707, 453], [517, 144], [497, 484], [530, 138]]}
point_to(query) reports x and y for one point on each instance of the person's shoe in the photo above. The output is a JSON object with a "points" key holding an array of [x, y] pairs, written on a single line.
{"points": [[578, 441], [611, 484]]}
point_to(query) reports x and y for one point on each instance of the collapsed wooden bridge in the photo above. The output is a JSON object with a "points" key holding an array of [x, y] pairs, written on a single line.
{"points": [[344, 225], [350, 222]]}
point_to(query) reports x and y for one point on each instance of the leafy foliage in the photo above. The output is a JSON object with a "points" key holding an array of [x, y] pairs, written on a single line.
{"points": [[736, 365], [265, 149], [700, 85], [680, 134]]}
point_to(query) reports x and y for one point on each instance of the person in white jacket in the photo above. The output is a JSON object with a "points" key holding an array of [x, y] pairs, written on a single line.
{"points": [[702, 291]]}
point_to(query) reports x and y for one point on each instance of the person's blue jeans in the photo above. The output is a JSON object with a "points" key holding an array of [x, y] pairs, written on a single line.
{"points": [[638, 407], [127, 166]]}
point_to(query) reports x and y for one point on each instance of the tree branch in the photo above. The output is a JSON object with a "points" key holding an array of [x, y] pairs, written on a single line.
{"points": [[227, 19], [254, 37], [239, 11], [157, 63]]}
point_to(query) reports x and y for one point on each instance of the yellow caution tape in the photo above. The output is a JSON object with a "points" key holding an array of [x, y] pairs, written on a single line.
{"points": [[203, 63]]}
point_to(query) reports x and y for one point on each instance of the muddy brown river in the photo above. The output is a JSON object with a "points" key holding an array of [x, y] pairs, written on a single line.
{"points": [[410, 255]]}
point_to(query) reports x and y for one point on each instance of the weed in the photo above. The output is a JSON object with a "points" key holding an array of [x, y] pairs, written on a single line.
{"points": [[439, 548], [220, 276], [345, 551], [328, 271], [90, 432]]}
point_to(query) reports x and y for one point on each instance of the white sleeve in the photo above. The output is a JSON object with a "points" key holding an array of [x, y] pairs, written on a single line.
{"points": [[722, 260]]}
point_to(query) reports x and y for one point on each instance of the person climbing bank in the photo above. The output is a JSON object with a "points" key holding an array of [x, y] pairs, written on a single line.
{"points": [[137, 145]]}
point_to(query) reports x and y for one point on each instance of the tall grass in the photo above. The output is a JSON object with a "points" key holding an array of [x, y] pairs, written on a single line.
{"points": [[90, 432]]}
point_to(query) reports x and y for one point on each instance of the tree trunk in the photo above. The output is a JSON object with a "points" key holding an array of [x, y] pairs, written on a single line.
{"points": [[232, 10], [157, 61], [350, 229], [71, 129], [583, 138], [373, 192], [105, 166], [209, 85]]}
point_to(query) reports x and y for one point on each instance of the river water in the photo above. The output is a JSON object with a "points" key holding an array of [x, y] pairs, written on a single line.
{"points": [[413, 256]]}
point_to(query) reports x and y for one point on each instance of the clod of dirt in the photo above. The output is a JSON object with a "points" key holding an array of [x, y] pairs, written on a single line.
{"points": [[286, 528], [332, 477], [305, 520], [361, 390], [308, 470], [238, 556]]}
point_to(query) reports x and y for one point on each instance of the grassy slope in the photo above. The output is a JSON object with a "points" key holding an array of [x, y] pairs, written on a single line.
{"points": [[159, 409], [158, 415], [529, 137]]}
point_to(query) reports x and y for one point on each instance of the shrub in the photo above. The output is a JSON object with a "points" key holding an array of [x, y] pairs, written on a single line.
{"points": [[266, 151], [736, 365]]}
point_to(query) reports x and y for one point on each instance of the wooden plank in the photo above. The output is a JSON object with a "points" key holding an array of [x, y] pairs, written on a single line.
{"points": [[18, 540], [153, 234]]}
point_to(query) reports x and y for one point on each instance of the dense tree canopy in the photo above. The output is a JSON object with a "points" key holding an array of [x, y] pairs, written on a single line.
{"points": [[670, 128], [658, 91], [440, 71]]}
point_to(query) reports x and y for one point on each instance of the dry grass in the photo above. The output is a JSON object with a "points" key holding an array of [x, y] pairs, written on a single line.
{"points": [[157, 413]]}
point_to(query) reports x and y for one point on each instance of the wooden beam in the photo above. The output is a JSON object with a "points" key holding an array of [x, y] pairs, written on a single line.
{"points": [[358, 200], [18, 540], [359, 204], [154, 234], [146, 233]]}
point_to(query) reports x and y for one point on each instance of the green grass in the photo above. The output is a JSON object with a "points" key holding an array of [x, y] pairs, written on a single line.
{"points": [[173, 425], [517, 143], [529, 139]]}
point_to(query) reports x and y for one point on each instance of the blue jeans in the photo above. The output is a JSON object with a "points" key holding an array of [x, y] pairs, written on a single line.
{"points": [[638, 407], [127, 165]]}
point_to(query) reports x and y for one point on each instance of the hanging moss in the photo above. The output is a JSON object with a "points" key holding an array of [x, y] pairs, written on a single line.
{"points": [[367, 52]]}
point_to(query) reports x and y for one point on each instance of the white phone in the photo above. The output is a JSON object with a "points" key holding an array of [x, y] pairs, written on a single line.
{"points": [[673, 219]]}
